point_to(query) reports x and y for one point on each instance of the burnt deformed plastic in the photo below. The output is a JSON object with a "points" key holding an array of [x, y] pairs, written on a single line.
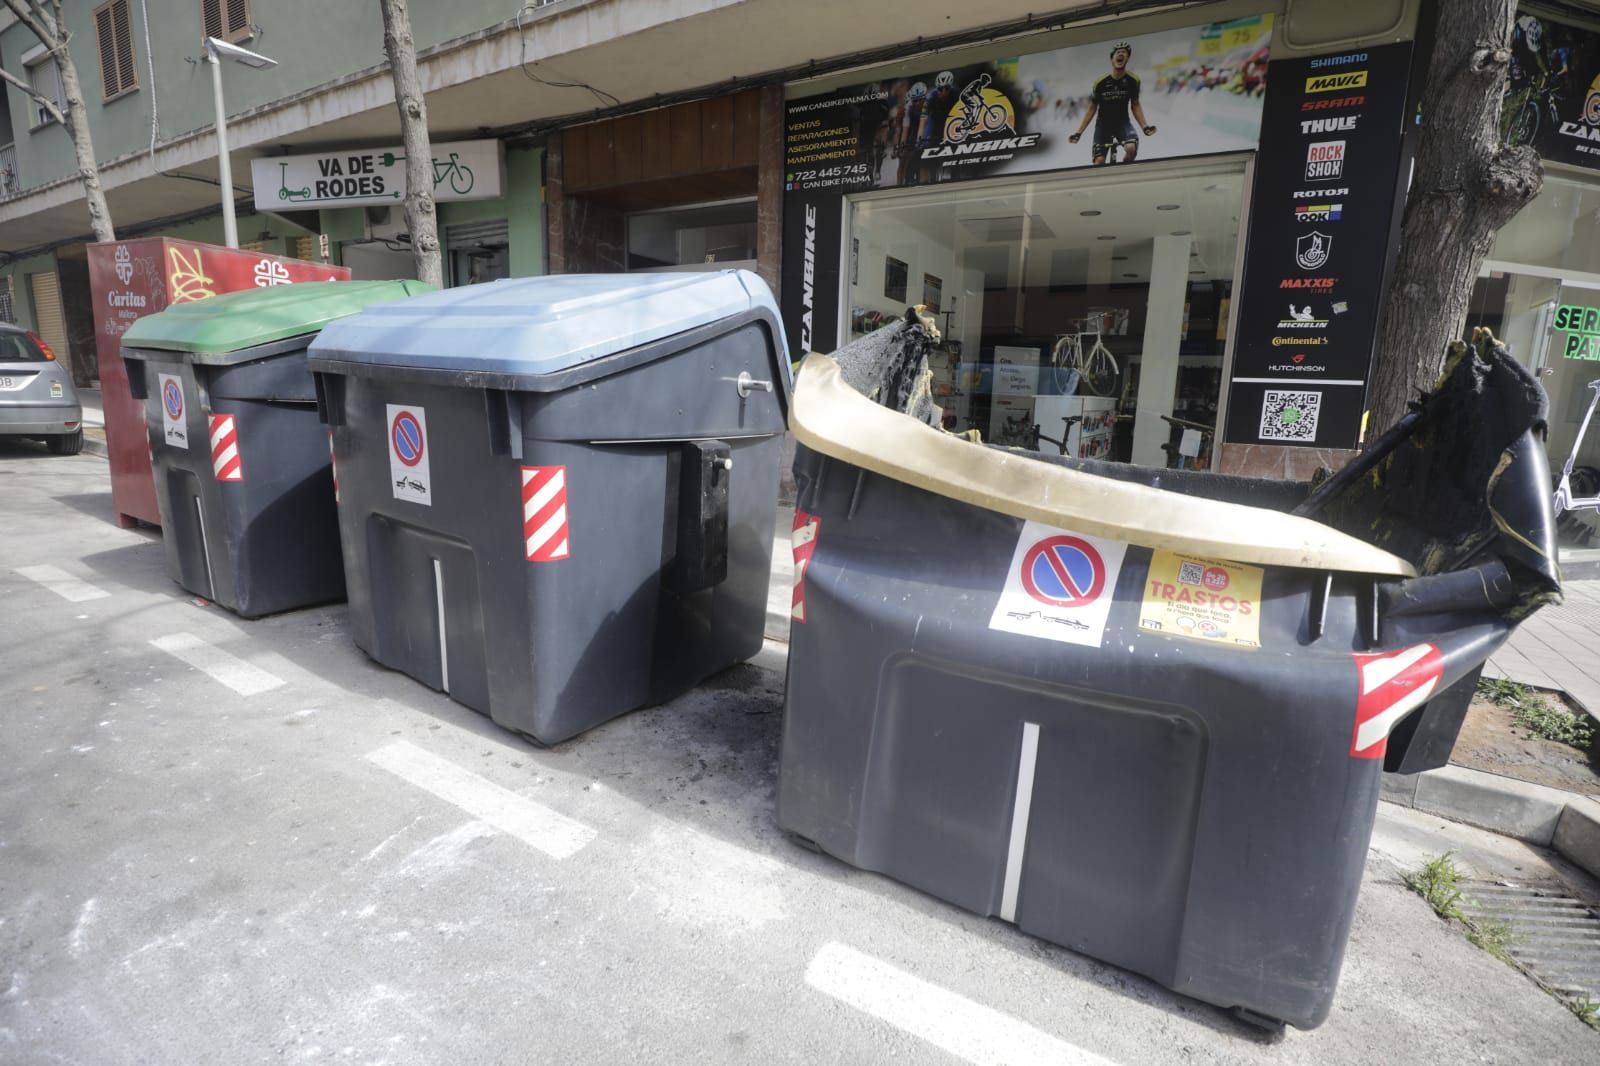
{"points": [[1163, 758], [557, 495]]}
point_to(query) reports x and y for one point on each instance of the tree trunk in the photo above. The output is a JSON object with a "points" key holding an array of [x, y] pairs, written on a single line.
{"points": [[1465, 186], [420, 218], [83, 147]]}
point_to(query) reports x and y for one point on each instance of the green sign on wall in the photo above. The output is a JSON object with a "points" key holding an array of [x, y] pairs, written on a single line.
{"points": [[1582, 327]]}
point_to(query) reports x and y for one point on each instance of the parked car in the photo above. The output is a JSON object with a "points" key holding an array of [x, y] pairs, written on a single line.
{"points": [[36, 395]]}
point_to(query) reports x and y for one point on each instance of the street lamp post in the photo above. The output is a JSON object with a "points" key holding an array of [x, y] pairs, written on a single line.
{"points": [[216, 51]]}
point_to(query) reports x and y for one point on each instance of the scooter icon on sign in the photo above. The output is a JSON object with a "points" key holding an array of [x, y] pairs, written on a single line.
{"points": [[286, 193]]}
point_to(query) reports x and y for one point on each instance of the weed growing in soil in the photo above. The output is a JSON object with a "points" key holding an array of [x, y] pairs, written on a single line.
{"points": [[1438, 884], [1587, 1008], [1537, 714], [1492, 936]]}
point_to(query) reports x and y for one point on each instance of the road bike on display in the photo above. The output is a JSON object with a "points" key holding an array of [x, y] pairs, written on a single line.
{"points": [[1097, 367], [1066, 434], [459, 173], [1579, 486]]}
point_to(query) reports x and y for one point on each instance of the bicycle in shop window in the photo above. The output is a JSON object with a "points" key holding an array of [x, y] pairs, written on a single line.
{"points": [[1086, 353]]}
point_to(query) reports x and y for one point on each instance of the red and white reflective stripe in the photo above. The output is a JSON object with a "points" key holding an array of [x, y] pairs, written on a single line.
{"points": [[225, 449], [333, 466], [544, 513], [804, 539], [1393, 684]]}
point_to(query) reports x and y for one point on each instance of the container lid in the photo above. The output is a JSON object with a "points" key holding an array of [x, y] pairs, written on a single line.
{"points": [[234, 321], [529, 327]]}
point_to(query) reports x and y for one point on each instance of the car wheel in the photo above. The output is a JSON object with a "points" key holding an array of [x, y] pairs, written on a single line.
{"points": [[66, 443]]}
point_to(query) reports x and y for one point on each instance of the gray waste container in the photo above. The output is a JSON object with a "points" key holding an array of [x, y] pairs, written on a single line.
{"points": [[1031, 687], [240, 458], [558, 495]]}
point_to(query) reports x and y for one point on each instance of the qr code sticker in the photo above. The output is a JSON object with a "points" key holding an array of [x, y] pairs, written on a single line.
{"points": [[1290, 415], [1190, 573]]}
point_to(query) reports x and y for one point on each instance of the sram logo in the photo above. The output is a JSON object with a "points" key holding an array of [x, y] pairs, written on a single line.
{"points": [[1329, 83], [1332, 103], [1328, 125]]}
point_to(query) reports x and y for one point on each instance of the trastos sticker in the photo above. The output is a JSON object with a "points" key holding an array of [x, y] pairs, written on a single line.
{"points": [[1059, 585], [1207, 599], [408, 454]]}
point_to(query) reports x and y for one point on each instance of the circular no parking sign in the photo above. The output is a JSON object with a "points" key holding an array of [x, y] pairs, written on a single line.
{"points": [[1063, 571], [172, 399], [405, 437]]}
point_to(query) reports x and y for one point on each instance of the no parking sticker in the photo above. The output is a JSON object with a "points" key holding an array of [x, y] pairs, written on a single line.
{"points": [[408, 455], [1059, 586], [174, 427]]}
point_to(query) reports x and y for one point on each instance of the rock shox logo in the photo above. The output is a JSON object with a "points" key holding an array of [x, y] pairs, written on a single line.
{"points": [[1329, 125], [1311, 251], [1332, 103], [982, 124], [1325, 161], [1328, 83], [1318, 212]]}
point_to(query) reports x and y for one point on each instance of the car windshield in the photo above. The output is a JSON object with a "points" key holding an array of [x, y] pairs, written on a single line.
{"points": [[19, 348]]}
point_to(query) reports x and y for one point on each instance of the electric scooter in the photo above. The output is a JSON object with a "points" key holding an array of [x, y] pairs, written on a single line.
{"points": [[1579, 487]]}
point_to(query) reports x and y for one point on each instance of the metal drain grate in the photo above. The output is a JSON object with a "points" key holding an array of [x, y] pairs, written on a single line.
{"points": [[1556, 937]]}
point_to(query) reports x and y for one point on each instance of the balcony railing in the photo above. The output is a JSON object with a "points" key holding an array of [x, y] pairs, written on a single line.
{"points": [[10, 181]]}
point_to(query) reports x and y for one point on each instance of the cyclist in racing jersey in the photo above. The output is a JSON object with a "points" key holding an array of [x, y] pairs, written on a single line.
{"points": [[1113, 97]]}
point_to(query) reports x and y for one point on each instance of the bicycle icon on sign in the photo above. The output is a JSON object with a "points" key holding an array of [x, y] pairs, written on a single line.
{"points": [[460, 175]]}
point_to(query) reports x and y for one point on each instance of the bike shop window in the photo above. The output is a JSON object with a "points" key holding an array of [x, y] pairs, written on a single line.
{"points": [[479, 251], [716, 236], [1540, 293], [1055, 297]]}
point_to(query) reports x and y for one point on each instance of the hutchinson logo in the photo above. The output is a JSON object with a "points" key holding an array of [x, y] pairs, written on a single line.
{"points": [[1328, 83], [982, 123]]}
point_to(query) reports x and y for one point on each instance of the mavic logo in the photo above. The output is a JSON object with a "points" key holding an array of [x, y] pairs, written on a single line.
{"points": [[1328, 83]]}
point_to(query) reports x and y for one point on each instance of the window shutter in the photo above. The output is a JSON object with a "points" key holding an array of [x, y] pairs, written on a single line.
{"points": [[124, 37], [238, 18], [110, 80], [211, 18]]}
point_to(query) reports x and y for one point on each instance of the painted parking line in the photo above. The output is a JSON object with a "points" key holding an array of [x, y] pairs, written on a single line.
{"points": [[243, 678], [62, 583], [944, 1019], [534, 824]]}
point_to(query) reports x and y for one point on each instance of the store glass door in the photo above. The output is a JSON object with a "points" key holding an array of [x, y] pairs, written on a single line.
{"points": [[1082, 315]]}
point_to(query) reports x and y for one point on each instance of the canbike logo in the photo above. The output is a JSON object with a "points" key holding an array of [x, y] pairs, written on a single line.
{"points": [[982, 123]]}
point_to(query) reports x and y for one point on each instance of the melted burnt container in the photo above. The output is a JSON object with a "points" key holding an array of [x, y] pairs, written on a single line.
{"points": [[1142, 713]]}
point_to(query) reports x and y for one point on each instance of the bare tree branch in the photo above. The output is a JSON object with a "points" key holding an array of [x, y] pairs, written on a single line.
{"points": [[43, 101], [32, 15]]}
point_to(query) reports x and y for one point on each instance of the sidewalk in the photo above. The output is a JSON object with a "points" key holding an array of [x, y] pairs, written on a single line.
{"points": [[1558, 648], [94, 421]]}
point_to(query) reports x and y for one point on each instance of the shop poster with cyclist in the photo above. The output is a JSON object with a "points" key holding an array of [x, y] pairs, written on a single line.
{"points": [[1552, 97], [1181, 92]]}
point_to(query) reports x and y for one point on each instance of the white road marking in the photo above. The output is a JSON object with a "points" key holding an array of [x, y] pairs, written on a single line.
{"points": [[62, 583], [944, 1019], [243, 678], [85, 919], [534, 824]]}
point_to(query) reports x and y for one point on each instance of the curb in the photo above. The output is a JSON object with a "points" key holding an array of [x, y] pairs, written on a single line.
{"points": [[1535, 814], [92, 446]]}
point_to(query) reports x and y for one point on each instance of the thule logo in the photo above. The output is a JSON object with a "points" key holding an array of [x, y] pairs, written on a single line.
{"points": [[1329, 125]]}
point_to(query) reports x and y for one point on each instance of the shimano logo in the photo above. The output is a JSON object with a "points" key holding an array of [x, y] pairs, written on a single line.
{"points": [[1338, 61], [808, 279]]}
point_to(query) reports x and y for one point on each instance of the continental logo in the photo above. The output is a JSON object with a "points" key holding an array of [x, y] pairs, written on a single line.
{"points": [[1279, 342], [1332, 83]]}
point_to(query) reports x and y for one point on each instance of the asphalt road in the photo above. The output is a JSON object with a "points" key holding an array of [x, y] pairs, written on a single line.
{"points": [[224, 841]]}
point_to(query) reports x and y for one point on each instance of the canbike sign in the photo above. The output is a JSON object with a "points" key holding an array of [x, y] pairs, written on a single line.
{"points": [[462, 170]]}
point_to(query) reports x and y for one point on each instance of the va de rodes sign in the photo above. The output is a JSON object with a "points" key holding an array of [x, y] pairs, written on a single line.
{"points": [[462, 170]]}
